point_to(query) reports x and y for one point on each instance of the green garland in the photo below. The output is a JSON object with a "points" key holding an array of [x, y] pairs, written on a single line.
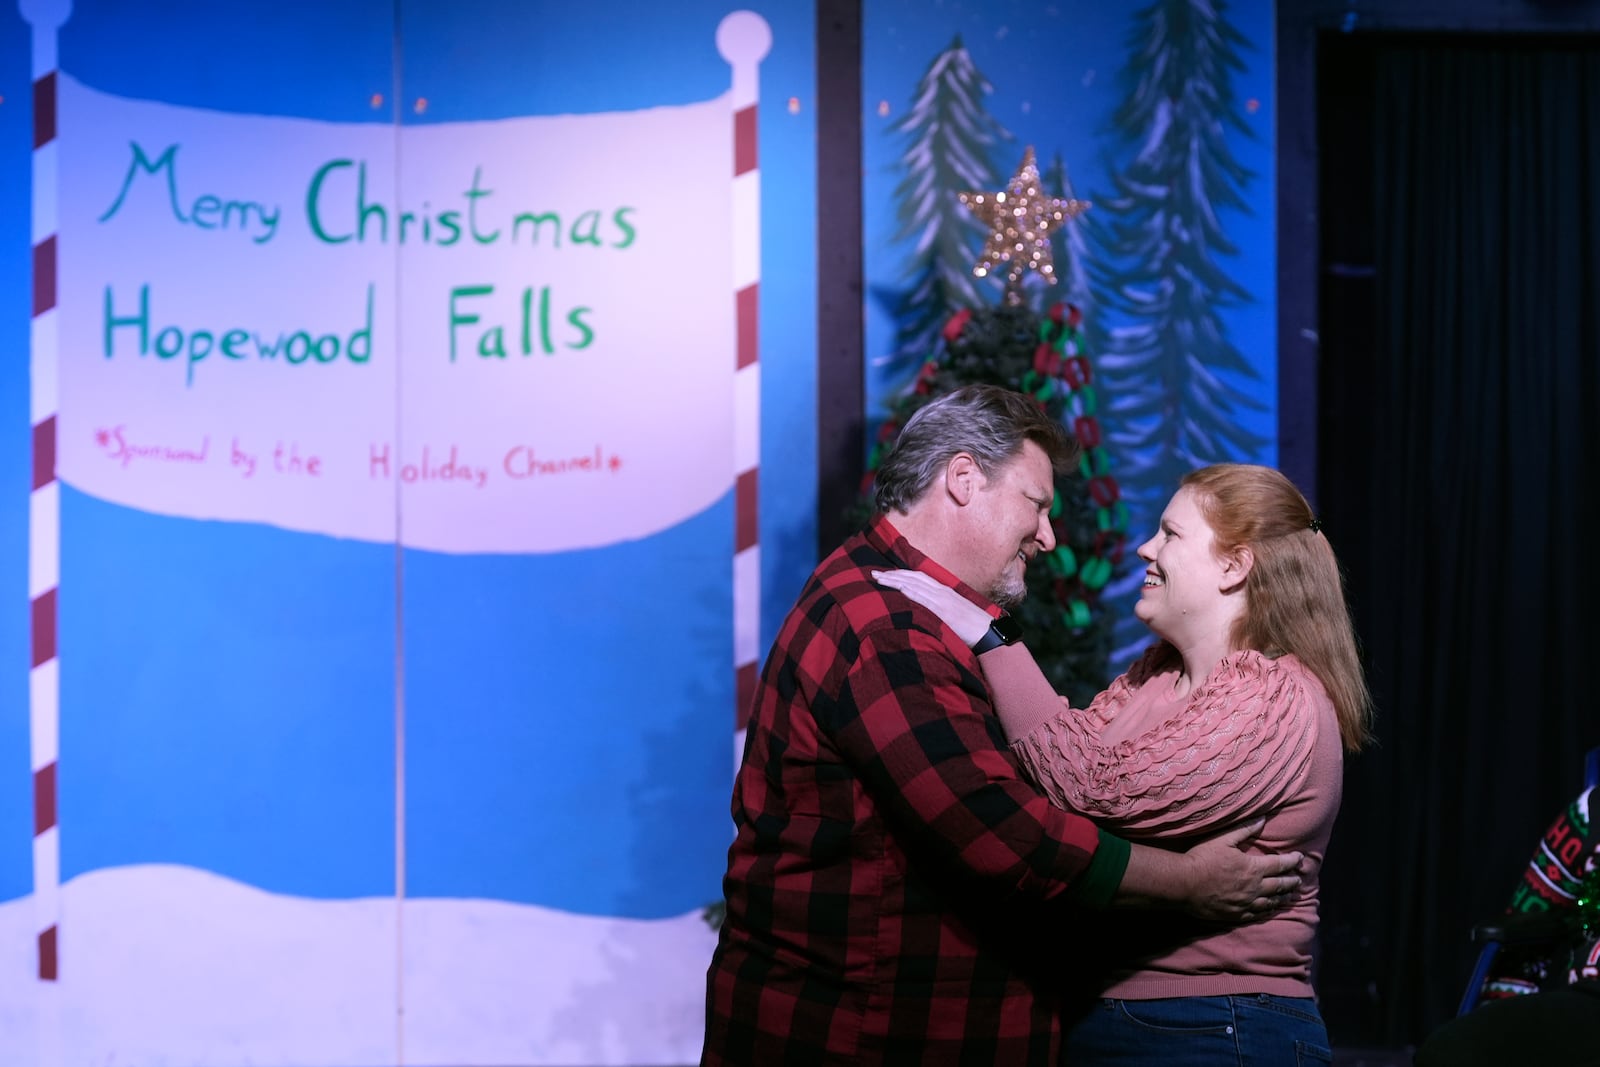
{"points": [[1586, 916]]}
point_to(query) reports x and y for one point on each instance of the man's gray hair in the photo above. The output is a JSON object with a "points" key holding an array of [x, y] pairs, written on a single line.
{"points": [[985, 421]]}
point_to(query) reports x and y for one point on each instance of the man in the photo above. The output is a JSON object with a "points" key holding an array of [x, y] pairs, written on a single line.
{"points": [[887, 854]]}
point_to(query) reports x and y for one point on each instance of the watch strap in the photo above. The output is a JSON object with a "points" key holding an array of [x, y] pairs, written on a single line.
{"points": [[1003, 631]]}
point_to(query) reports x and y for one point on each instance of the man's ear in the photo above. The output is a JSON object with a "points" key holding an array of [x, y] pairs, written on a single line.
{"points": [[962, 478], [1236, 567]]}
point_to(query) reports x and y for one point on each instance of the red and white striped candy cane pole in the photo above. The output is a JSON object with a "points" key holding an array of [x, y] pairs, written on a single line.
{"points": [[44, 521], [743, 39], [44, 505]]}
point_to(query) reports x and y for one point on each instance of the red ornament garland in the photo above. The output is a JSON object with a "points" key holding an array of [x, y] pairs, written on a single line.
{"points": [[1063, 376]]}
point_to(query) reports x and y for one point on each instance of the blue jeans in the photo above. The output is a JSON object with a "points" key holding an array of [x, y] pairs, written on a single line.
{"points": [[1254, 1030]]}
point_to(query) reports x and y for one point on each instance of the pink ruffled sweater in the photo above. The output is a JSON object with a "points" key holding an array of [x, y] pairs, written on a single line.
{"points": [[1258, 737]]}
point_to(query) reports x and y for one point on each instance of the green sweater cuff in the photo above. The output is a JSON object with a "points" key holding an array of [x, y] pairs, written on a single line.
{"points": [[1098, 883]]}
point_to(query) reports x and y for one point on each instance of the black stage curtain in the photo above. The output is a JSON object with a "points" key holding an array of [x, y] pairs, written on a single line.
{"points": [[1458, 464]]}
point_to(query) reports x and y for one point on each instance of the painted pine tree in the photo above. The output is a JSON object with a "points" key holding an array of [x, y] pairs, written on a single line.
{"points": [[1170, 365], [950, 140]]}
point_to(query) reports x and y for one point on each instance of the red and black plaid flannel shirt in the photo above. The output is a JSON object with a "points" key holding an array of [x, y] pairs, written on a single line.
{"points": [[887, 852]]}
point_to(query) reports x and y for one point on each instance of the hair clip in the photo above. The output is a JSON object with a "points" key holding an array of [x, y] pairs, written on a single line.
{"points": [[1316, 525]]}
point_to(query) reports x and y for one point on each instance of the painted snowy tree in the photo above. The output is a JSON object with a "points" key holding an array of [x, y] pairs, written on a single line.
{"points": [[1171, 365], [950, 140]]}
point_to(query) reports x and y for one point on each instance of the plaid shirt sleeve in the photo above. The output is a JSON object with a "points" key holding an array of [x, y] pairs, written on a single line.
{"points": [[916, 722]]}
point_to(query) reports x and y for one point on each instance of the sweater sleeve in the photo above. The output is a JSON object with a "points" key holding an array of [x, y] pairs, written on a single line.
{"points": [[1550, 885], [1023, 696], [1234, 751]]}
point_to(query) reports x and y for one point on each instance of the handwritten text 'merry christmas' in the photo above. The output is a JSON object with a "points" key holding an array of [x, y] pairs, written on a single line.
{"points": [[339, 207]]}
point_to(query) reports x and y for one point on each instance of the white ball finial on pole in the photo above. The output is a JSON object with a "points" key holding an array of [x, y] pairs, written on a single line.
{"points": [[45, 14], [744, 39], [46, 17]]}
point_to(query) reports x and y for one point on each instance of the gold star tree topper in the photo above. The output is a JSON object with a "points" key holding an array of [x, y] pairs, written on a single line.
{"points": [[1021, 217]]}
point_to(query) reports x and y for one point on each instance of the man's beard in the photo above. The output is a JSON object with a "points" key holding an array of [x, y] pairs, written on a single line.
{"points": [[1009, 590]]}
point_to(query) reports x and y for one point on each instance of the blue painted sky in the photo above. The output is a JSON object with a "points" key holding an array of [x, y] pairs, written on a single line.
{"points": [[16, 146]]}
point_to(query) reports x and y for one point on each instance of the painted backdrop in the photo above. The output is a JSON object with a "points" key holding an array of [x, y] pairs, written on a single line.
{"points": [[389, 396], [1160, 114]]}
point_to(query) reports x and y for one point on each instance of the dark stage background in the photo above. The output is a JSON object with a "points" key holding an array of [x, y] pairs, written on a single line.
{"points": [[1458, 388]]}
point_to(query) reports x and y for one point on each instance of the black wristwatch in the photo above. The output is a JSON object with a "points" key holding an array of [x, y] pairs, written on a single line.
{"points": [[1005, 630]]}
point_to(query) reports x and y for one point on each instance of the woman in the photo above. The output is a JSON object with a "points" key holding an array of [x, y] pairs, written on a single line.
{"points": [[1241, 709]]}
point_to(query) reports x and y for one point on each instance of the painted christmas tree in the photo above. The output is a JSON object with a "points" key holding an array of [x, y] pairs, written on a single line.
{"points": [[949, 142], [1176, 375], [1042, 354]]}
